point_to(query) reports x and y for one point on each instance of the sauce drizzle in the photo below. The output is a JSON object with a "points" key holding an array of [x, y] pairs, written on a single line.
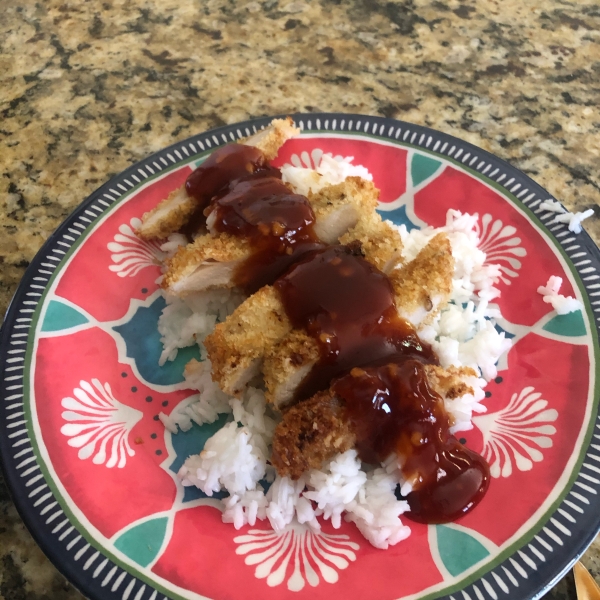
{"points": [[376, 361], [277, 223], [221, 171], [393, 409], [245, 197], [347, 305]]}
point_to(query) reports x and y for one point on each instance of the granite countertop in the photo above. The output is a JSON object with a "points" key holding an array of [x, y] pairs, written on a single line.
{"points": [[90, 88]]}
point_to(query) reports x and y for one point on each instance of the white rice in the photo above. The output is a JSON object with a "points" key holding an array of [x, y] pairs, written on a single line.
{"points": [[573, 220], [185, 322], [235, 459], [561, 304], [330, 171]]}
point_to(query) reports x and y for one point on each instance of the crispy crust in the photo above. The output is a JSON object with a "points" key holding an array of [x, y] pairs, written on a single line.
{"points": [[449, 383], [168, 216], [240, 342], [270, 139], [204, 249], [381, 243], [423, 286], [311, 433], [286, 364], [355, 190]]}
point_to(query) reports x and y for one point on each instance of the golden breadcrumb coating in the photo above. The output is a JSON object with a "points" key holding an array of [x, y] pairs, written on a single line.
{"points": [[173, 212], [237, 346], [353, 190], [314, 431], [168, 216], [423, 286], [184, 271], [311, 433], [271, 138], [381, 243], [286, 364], [449, 383]]}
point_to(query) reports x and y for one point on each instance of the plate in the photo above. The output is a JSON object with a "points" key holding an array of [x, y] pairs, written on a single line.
{"points": [[92, 470]]}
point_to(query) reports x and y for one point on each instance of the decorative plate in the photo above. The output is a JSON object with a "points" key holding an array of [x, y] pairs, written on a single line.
{"points": [[92, 470]]}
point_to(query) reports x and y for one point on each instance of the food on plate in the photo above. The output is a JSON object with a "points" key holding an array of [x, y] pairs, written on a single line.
{"points": [[176, 210], [242, 252], [347, 350]]}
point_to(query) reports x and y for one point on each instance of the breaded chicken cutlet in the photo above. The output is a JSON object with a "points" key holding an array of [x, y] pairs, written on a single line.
{"points": [[212, 259], [173, 212], [315, 430], [343, 312], [259, 338], [421, 288]]}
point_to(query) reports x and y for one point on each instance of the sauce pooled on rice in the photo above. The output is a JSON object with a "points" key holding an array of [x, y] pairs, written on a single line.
{"points": [[375, 359]]}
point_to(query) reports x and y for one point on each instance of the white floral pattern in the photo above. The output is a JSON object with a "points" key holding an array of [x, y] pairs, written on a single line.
{"points": [[501, 246], [98, 424], [130, 254], [312, 160], [298, 549], [516, 433]]}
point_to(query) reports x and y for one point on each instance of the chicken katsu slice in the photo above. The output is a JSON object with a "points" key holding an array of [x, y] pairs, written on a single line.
{"points": [[423, 286], [343, 206], [196, 267], [314, 431], [272, 137], [170, 215], [450, 383], [310, 434], [237, 345], [208, 262], [428, 276], [286, 364], [173, 212], [381, 243]]}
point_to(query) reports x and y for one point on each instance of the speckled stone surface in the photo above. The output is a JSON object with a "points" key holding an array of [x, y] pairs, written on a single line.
{"points": [[88, 88]]}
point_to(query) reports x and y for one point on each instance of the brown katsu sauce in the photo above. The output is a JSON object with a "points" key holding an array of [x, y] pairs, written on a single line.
{"points": [[245, 197], [277, 223], [347, 305], [221, 171], [393, 409]]}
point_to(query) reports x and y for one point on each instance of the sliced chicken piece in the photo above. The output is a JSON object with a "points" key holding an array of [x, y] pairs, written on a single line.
{"points": [[237, 346], [450, 383], [337, 208], [175, 210], [423, 286], [428, 276], [286, 364], [314, 431], [272, 137], [218, 258], [341, 207], [310, 434], [381, 243], [170, 215]]}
